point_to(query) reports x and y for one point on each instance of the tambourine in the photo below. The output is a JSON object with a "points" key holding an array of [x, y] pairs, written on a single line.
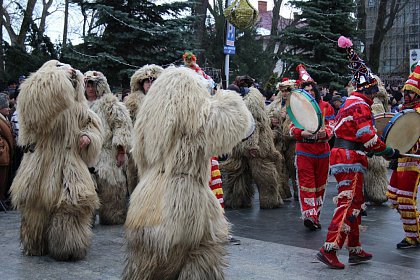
{"points": [[304, 111], [381, 121], [403, 131]]}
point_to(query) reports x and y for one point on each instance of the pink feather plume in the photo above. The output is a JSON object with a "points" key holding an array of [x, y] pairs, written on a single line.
{"points": [[344, 42]]}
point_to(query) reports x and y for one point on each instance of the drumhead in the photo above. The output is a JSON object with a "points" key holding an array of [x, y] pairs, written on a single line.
{"points": [[303, 111], [381, 121], [403, 131]]}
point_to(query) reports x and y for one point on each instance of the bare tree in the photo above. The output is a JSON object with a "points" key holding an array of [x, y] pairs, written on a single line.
{"points": [[45, 6], [199, 12], [66, 22], [18, 28], [387, 12], [274, 32]]}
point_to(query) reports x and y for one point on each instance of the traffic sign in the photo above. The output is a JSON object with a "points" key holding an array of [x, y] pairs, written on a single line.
{"points": [[230, 35], [229, 49]]}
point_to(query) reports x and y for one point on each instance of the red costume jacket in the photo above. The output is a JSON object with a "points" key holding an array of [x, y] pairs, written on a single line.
{"points": [[321, 147]]}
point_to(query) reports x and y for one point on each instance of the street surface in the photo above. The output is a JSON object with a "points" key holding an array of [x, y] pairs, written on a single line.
{"points": [[275, 245]]}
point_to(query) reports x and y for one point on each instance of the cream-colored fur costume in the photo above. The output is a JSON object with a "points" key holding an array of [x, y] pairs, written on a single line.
{"points": [[110, 179], [284, 143], [53, 188], [376, 180], [175, 227], [133, 103], [265, 169]]}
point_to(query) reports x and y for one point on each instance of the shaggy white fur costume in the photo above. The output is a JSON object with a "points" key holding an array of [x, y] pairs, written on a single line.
{"points": [[110, 179], [133, 103], [175, 227], [53, 188]]}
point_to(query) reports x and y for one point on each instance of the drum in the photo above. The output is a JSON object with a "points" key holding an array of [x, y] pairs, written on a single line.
{"points": [[403, 130], [381, 121], [304, 111]]}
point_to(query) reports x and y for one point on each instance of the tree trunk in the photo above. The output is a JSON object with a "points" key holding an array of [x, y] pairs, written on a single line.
{"points": [[199, 26], [387, 12], [2, 73], [66, 21], [44, 14], [361, 23], [26, 22]]}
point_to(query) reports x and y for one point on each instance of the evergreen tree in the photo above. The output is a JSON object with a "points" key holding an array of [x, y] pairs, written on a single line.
{"points": [[250, 58], [131, 34], [313, 39]]}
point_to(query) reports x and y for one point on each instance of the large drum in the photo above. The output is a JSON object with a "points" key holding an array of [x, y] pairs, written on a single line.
{"points": [[403, 130], [304, 111], [381, 121]]}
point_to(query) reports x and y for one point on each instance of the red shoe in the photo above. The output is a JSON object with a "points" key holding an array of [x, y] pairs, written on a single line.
{"points": [[329, 258], [360, 257]]}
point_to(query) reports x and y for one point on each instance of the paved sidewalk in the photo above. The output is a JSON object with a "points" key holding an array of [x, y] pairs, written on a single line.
{"points": [[253, 259]]}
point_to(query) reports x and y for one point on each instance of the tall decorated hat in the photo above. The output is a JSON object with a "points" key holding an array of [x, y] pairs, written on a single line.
{"points": [[363, 79], [413, 82], [303, 74]]}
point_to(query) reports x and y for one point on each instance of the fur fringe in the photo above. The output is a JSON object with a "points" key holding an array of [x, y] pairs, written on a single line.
{"points": [[174, 138], [53, 188]]}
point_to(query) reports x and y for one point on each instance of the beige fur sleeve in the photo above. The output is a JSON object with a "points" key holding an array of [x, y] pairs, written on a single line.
{"points": [[120, 122], [92, 128], [227, 122], [255, 103]]}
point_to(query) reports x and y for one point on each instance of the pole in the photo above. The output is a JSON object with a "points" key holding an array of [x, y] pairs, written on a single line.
{"points": [[227, 55]]}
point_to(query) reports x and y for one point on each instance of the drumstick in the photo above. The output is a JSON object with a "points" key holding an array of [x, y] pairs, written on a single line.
{"points": [[411, 155]]}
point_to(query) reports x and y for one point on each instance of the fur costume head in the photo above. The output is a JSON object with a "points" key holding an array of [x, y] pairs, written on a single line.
{"points": [[149, 71], [99, 81], [181, 106], [49, 91]]}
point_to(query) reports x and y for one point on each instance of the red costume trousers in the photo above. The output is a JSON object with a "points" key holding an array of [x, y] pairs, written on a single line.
{"points": [[346, 218], [402, 193], [312, 176], [348, 168]]}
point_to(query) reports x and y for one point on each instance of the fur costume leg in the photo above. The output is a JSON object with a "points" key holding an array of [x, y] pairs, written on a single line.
{"points": [[282, 179], [113, 198], [289, 156], [237, 184], [265, 176], [202, 261], [33, 231], [70, 231], [376, 181]]}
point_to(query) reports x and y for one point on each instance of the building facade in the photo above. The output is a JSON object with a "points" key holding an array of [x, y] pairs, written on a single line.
{"points": [[403, 36]]}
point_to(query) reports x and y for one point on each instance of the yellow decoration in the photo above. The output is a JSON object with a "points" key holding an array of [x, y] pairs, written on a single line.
{"points": [[241, 14]]}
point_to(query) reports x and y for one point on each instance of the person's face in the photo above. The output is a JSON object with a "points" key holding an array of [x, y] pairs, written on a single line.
{"points": [[90, 91], [337, 104], [5, 111], [146, 85], [285, 92], [310, 89], [409, 96]]}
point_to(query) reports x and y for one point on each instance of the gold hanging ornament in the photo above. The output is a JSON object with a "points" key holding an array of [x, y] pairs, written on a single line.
{"points": [[241, 14]]}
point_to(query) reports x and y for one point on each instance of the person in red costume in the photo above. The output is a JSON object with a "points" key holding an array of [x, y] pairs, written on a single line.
{"points": [[402, 189], [312, 157], [355, 134], [190, 61]]}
